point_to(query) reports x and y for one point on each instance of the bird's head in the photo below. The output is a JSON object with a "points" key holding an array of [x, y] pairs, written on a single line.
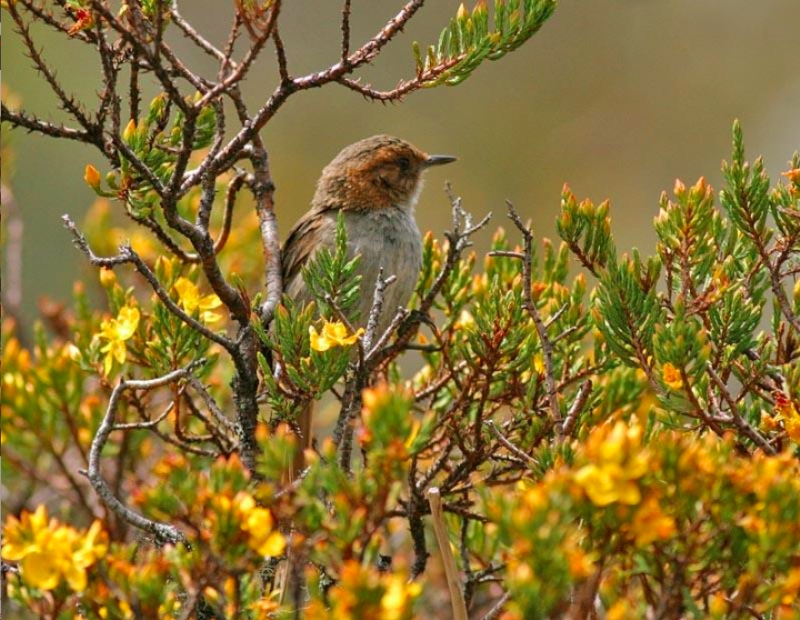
{"points": [[375, 173]]}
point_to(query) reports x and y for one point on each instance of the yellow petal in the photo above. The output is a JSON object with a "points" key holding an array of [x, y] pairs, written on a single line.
{"points": [[39, 570], [318, 343], [273, 545], [75, 576], [127, 322], [188, 294]]}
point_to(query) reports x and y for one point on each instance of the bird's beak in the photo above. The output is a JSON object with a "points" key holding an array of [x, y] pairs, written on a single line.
{"points": [[439, 160]]}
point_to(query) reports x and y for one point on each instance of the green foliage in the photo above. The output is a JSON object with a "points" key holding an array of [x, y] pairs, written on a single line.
{"points": [[586, 229], [627, 449], [306, 373], [333, 275], [627, 309], [470, 39], [153, 143]]}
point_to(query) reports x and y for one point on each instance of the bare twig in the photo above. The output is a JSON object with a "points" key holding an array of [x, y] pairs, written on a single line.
{"points": [[736, 416], [127, 255], [264, 190], [145, 424], [577, 407], [541, 329], [32, 123], [212, 405], [345, 30], [363, 55], [377, 307], [526, 458], [162, 531], [497, 608], [195, 36]]}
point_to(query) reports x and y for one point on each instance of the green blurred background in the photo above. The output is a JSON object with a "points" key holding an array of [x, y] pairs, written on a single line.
{"points": [[616, 97]]}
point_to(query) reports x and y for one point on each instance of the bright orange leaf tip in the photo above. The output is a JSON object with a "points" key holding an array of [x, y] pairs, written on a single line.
{"points": [[92, 176], [671, 376]]}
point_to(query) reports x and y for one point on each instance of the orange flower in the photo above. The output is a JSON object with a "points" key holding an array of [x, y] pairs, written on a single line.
{"points": [[92, 177], [651, 524], [672, 376], [787, 411], [84, 20]]}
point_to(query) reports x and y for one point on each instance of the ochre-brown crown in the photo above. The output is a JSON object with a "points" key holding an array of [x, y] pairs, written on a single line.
{"points": [[374, 173]]}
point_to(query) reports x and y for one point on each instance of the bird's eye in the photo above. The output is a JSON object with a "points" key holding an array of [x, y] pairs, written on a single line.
{"points": [[403, 163]]}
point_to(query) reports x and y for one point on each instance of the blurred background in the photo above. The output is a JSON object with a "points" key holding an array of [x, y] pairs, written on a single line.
{"points": [[618, 98]]}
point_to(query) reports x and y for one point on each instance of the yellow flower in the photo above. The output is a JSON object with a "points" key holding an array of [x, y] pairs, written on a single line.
{"points": [[672, 376], [465, 320], [787, 412], [334, 334], [618, 461], [258, 524], [129, 131], [189, 297], [108, 278], [116, 332], [49, 552], [399, 596]]}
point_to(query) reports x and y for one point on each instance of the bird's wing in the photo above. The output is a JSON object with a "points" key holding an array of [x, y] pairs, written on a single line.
{"points": [[315, 230]]}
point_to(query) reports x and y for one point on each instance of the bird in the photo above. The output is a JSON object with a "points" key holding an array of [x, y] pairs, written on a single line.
{"points": [[375, 184]]}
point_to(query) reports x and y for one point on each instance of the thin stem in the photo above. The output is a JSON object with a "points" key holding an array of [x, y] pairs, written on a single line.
{"points": [[127, 255], [162, 531], [449, 562], [345, 30], [541, 330]]}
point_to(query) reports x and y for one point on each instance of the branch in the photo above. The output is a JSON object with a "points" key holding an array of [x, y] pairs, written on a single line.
{"points": [[162, 531], [577, 407], [458, 241], [128, 255], [137, 42], [495, 611], [363, 55], [375, 312], [533, 311], [195, 36], [66, 101], [240, 70], [33, 124], [736, 416], [212, 405], [345, 30], [524, 456]]}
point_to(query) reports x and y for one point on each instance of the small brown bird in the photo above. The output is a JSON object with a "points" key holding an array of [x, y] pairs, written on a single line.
{"points": [[375, 183]]}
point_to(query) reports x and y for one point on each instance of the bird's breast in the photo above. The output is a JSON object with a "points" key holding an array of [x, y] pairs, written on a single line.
{"points": [[388, 239]]}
